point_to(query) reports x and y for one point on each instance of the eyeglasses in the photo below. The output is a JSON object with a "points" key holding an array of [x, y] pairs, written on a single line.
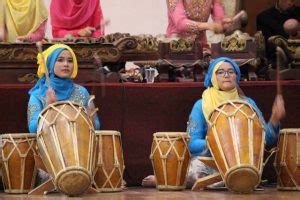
{"points": [[222, 73]]}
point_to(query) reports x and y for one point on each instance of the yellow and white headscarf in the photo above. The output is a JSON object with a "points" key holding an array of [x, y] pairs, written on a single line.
{"points": [[22, 17], [213, 96], [41, 65]]}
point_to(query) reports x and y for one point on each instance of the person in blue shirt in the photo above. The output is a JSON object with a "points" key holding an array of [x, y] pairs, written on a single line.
{"points": [[62, 68], [221, 82]]}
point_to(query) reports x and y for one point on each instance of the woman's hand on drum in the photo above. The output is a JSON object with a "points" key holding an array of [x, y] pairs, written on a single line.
{"points": [[50, 96], [278, 110], [87, 31], [91, 110]]}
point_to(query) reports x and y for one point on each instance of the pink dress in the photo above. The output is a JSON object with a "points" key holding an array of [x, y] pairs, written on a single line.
{"points": [[70, 16], [183, 16]]}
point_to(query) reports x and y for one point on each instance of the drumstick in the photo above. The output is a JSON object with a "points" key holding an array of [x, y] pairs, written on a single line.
{"points": [[103, 23], [239, 89], [279, 54], [100, 70], [238, 21], [242, 15], [39, 47], [280, 58]]}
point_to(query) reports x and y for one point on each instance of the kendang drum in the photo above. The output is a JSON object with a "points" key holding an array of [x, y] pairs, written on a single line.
{"points": [[236, 139], [18, 168], [170, 159], [108, 176], [287, 160], [66, 141]]}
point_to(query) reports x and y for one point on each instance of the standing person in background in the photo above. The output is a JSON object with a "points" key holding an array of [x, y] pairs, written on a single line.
{"points": [[271, 21], [22, 20], [188, 18], [80, 18]]}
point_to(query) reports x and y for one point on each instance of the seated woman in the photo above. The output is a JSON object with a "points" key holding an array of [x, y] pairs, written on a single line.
{"points": [[189, 18], [22, 20], [221, 81], [76, 18], [62, 67]]}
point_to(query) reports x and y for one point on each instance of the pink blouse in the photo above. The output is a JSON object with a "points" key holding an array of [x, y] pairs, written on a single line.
{"points": [[183, 16], [70, 16]]}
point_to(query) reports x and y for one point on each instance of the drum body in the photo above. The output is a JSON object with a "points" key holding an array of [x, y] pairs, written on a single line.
{"points": [[236, 139], [287, 160], [66, 142], [170, 159], [110, 167], [18, 169]]}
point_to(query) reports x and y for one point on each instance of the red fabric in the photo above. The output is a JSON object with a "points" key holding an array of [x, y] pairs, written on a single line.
{"points": [[69, 16], [139, 110]]}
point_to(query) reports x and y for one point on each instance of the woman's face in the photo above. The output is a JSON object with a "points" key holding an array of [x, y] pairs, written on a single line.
{"points": [[63, 67], [226, 77]]}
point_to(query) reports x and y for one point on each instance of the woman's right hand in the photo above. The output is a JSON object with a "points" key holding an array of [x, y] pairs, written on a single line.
{"points": [[278, 110], [86, 32], [216, 27], [50, 96]]}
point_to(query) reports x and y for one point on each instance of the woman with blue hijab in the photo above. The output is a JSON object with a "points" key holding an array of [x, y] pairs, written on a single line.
{"points": [[222, 81], [62, 68]]}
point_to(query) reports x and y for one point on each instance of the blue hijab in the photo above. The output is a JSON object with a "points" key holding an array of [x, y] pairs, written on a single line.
{"points": [[63, 87], [208, 76]]}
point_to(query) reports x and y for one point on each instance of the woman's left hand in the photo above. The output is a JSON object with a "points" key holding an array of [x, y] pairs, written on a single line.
{"points": [[24, 38], [278, 110], [91, 110]]}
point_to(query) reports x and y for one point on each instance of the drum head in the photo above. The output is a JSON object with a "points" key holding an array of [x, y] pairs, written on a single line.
{"points": [[18, 135], [73, 182], [171, 134], [107, 132], [242, 179]]}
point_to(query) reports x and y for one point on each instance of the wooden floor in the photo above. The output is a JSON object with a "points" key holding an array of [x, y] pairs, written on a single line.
{"points": [[139, 193]]}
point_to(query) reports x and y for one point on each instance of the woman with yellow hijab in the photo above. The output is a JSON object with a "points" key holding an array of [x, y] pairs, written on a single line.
{"points": [[62, 67], [221, 82], [23, 20]]}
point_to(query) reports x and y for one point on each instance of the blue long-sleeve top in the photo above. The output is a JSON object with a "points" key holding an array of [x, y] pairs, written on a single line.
{"points": [[197, 129], [37, 104]]}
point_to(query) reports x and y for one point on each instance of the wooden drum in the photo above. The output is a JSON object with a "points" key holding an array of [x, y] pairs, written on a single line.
{"points": [[18, 168], [236, 139], [66, 141], [108, 175], [170, 159], [287, 160]]}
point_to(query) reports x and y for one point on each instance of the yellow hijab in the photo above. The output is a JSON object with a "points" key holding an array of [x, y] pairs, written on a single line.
{"points": [[23, 16], [212, 96], [41, 70]]}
